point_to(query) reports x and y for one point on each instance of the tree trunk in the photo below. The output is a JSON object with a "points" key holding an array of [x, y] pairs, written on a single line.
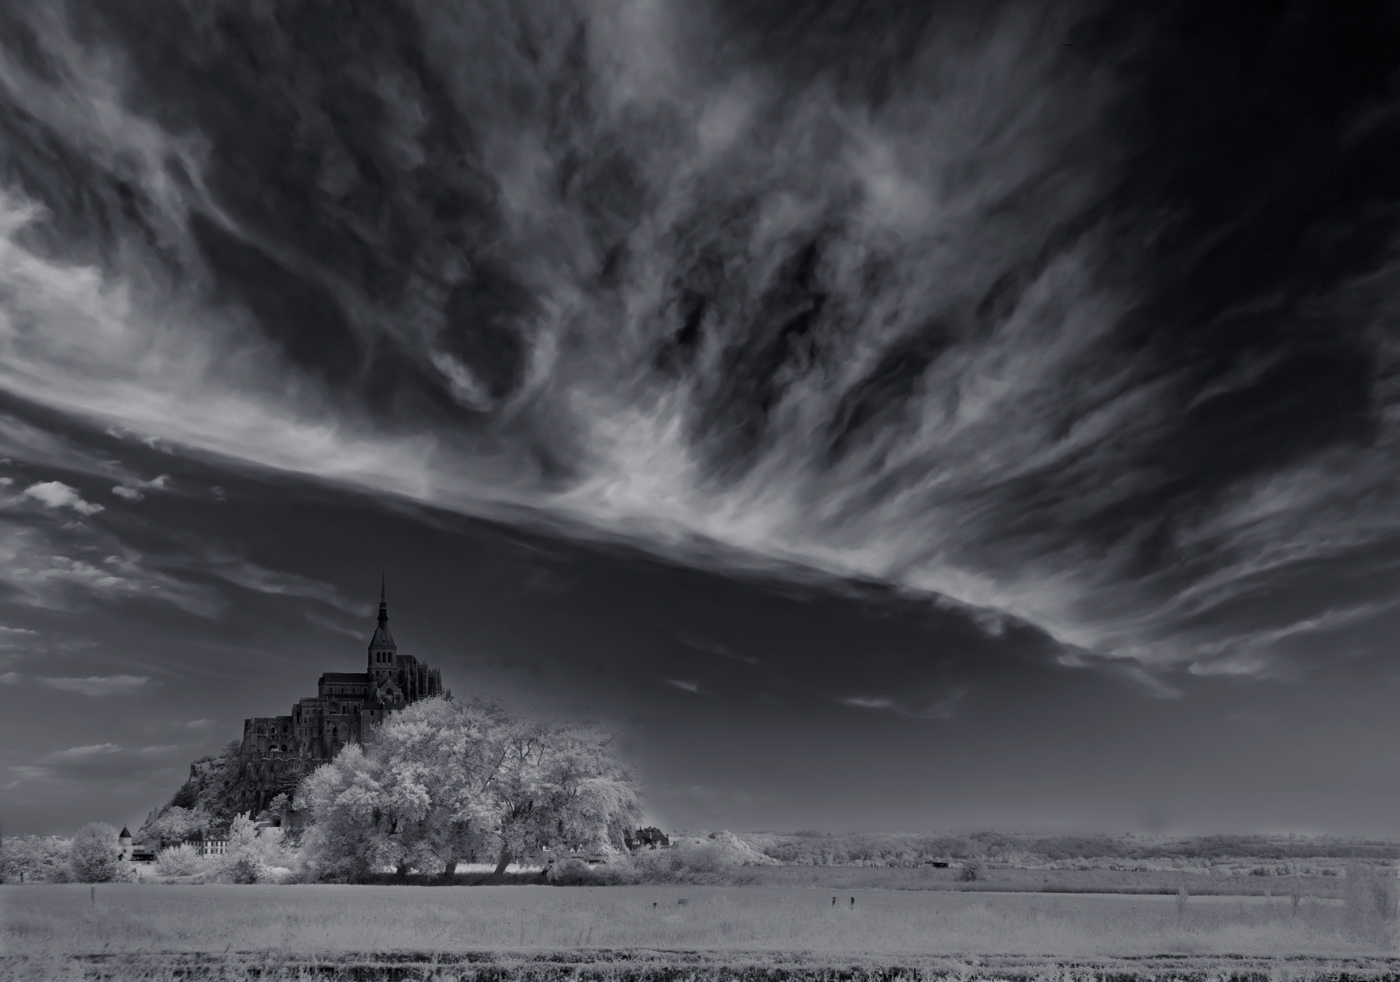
{"points": [[401, 871], [504, 861], [450, 869]]}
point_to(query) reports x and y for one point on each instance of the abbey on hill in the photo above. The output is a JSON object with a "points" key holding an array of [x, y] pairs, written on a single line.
{"points": [[278, 751]]}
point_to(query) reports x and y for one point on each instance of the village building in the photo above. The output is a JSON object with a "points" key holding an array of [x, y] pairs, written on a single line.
{"points": [[278, 751], [212, 843], [130, 851]]}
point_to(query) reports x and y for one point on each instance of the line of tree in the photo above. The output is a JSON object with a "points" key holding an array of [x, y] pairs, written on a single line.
{"points": [[810, 848], [36, 858], [93, 855]]}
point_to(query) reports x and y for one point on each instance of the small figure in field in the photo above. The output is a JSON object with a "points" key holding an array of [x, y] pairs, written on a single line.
{"points": [[833, 901], [682, 902], [853, 901]]}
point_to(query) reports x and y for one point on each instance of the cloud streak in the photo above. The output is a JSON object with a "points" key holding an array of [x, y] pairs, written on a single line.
{"points": [[102, 761], [943, 708], [99, 685], [60, 568]]}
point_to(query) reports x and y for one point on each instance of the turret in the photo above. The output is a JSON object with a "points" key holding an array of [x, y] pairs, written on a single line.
{"points": [[124, 844], [381, 646]]}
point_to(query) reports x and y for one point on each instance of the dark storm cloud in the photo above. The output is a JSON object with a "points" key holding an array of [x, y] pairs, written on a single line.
{"points": [[1078, 322]]}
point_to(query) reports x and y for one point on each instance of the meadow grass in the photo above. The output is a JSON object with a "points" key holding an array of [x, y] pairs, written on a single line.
{"points": [[62, 919]]}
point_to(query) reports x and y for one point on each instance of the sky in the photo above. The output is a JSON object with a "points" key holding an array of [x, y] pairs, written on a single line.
{"points": [[883, 415]]}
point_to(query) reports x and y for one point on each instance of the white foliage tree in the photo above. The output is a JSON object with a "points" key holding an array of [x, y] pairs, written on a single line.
{"points": [[95, 856], [446, 782], [560, 786], [351, 835]]}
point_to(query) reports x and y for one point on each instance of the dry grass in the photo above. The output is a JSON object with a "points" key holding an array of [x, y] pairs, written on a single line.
{"points": [[646, 934], [1198, 882], [61, 919]]}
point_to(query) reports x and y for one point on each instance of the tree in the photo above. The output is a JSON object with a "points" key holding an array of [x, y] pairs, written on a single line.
{"points": [[444, 781], [38, 858], [350, 834], [278, 805], [176, 824], [419, 792], [560, 786], [95, 856]]}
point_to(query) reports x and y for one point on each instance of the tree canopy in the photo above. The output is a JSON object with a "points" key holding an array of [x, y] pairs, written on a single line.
{"points": [[37, 858], [95, 856], [444, 782]]}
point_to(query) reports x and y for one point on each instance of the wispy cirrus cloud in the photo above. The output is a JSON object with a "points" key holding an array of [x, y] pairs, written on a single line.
{"points": [[723, 651], [260, 579], [737, 311], [99, 685], [59, 568], [102, 761], [943, 708]]}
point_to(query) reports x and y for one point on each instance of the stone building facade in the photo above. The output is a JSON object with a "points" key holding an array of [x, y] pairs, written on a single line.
{"points": [[278, 751]]}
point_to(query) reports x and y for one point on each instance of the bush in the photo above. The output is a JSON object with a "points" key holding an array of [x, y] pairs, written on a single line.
{"points": [[687, 862], [244, 869], [973, 870], [571, 872], [1371, 902], [181, 860], [95, 856]]}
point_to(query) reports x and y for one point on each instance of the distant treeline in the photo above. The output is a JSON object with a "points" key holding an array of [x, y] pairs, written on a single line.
{"points": [[913, 849]]}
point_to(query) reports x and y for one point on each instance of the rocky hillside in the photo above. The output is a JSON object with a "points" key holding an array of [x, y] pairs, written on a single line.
{"points": [[207, 799]]}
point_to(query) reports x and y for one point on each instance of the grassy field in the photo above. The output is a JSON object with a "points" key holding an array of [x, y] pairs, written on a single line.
{"points": [[1197, 882], [135, 925]]}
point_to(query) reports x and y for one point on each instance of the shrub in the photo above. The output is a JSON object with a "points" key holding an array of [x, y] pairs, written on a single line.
{"points": [[973, 870], [571, 872], [244, 869], [686, 862], [95, 856], [1371, 902], [181, 860]]}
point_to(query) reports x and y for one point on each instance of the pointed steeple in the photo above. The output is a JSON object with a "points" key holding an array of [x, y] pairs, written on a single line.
{"points": [[381, 646]]}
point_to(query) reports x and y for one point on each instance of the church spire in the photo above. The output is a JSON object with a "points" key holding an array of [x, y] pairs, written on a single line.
{"points": [[382, 649]]}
